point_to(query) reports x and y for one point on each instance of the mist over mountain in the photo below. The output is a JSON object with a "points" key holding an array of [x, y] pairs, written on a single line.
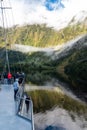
{"points": [[44, 24], [54, 13], [48, 42]]}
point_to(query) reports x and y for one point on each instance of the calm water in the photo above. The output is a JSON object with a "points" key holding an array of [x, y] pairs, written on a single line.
{"points": [[54, 117]]}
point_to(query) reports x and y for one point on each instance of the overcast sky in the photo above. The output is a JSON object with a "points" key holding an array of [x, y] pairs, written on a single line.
{"points": [[54, 13]]}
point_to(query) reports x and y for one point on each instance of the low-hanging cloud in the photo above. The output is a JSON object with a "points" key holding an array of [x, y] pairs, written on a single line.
{"points": [[36, 12]]}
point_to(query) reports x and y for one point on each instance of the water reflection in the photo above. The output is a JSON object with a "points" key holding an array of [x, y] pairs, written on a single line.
{"points": [[40, 77], [46, 99], [48, 80], [52, 78], [54, 128], [55, 108], [59, 118]]}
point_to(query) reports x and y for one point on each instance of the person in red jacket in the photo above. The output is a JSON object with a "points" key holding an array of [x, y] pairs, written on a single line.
{"points": [[9, 76]]}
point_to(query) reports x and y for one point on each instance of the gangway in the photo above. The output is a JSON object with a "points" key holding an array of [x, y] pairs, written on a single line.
{"points": [[10, 117]]}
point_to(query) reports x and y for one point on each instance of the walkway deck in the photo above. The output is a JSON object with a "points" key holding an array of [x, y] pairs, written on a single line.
{"points": [[8, 118]]}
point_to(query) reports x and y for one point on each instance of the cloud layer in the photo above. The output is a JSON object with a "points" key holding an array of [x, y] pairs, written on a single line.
{"points": [[55, 13]]}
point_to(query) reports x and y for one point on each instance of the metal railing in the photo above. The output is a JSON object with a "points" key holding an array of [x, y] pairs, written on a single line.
{"points": [[24, 106]]}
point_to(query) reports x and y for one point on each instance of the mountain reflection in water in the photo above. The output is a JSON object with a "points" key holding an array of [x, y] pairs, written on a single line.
{"points": [[54, 128], [59, 118], [47, 80], [55, 106]]}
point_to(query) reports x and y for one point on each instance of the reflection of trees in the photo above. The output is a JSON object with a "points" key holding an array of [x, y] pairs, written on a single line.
{"points": [[46, 99], [39, 77], [76, 70]]}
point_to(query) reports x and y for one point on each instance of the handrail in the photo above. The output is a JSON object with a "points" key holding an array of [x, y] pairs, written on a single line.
{"points": [[22, 110], [24, 107]]}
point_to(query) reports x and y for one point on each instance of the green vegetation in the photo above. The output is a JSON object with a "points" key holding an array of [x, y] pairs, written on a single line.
{"points": [[34, 61], [39, 67], [76, 69], [42, 36], [46, 99], [71, 68]]}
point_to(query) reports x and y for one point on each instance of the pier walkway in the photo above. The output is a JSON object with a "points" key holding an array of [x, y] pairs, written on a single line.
{"points": [[9, 120]]}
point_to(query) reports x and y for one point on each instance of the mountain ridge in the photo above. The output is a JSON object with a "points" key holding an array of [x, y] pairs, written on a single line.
{"points": [[43, 36]]}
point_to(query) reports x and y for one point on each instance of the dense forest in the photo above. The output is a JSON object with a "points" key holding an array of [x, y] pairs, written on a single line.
{"points": [[41, 35], [71, 68]]}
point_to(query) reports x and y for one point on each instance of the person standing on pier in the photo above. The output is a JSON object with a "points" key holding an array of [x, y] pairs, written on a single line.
{"points": [[16, 87], [9, 76]]}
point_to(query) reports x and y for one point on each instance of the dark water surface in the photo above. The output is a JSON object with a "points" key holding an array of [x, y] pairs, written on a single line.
{"points": [[55, 106]]}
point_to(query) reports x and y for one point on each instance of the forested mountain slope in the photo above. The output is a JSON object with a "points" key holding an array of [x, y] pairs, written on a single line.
{"points": [[41, 35], [69, 63]]}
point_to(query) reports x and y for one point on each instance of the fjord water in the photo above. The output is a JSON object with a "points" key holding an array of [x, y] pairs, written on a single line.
{"points": [[55, 105]]}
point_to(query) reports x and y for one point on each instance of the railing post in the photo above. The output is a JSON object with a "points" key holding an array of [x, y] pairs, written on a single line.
{"points": [[20, 97]]}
